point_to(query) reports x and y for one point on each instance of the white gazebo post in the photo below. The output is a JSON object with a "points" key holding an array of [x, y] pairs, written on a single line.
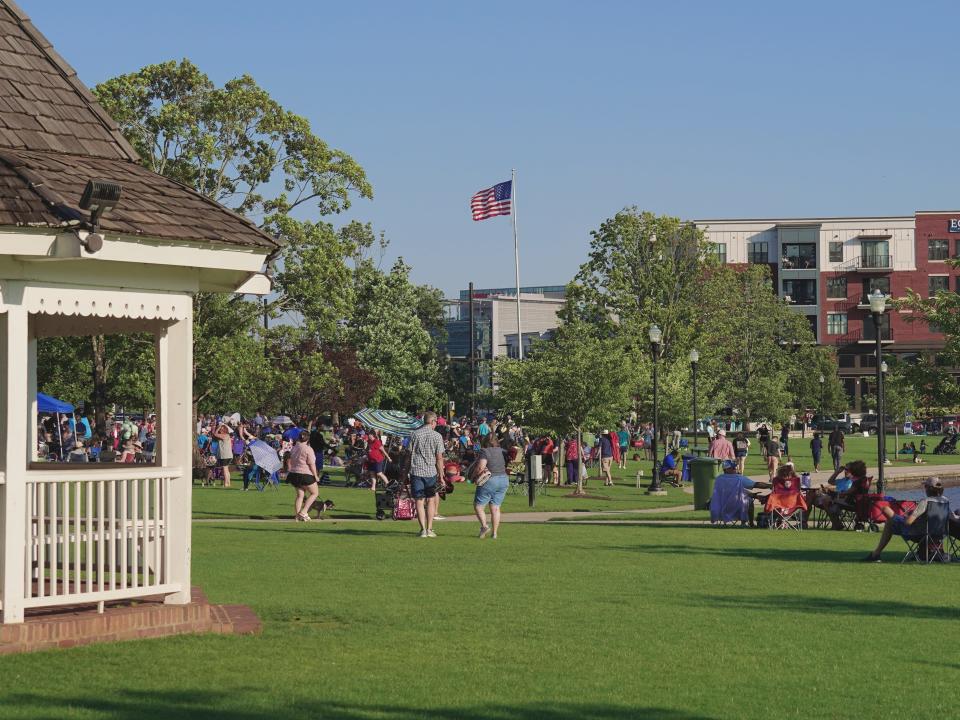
{"points": [[16, 369], [175, 410]]}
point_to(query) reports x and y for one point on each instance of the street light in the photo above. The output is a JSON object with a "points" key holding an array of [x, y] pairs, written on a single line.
{"points": [[881, 414], [878, 305], [822, 381], [655, 337], [694, 359]]}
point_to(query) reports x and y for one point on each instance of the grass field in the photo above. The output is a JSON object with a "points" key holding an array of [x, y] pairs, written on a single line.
{"points": [[550, 621]]}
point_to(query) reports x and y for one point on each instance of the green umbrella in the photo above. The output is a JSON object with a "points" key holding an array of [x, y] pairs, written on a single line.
{"points": [[391, 422]]}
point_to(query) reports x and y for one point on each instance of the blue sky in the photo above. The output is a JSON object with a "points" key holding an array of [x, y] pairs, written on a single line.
{"points": [[696, 109]]}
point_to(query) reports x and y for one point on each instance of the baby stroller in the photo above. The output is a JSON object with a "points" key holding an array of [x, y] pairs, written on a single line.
{"points": [[947, 446]]}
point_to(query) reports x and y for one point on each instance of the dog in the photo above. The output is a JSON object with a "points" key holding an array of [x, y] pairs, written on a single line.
{"points": [[321, 506]]}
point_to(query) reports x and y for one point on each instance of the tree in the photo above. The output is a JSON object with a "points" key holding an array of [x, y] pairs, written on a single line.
{"points": [[238, 146], [644, 269], [808, 362], [99, 371], [570, 383], [747, 335], [352, 388], [392, 342]]}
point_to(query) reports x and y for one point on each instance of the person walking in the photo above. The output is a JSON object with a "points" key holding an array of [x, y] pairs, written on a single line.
{"points": [[606, 457], [377, 459], [816, 448], [302, 475], [426, 467], [741, 446], [494, 489], [837, 445], [763, 435], [785, 439], [571, 454], [623, 438]]}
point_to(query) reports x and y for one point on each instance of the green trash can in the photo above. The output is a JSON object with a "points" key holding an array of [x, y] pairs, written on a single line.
{"points": [[703, 471]]}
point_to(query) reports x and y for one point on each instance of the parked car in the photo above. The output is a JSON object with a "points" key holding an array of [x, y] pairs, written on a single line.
{"points": [[868, 423], [826, 423]]}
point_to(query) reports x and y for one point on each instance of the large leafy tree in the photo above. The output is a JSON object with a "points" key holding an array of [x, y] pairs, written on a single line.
{"points": [[570, 384], [645, 269], [238, 146], [392, 340], [748, 337]]}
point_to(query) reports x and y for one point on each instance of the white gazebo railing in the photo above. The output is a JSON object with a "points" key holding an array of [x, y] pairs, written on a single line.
{"points": [[95, 536]]}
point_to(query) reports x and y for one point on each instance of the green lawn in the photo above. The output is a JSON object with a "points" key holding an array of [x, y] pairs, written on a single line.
{"points": [[217, 502], [858, 448], [213, 503], [550, 621]]}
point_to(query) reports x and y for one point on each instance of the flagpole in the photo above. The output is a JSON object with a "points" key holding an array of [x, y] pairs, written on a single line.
{"points": [[516, 257]]}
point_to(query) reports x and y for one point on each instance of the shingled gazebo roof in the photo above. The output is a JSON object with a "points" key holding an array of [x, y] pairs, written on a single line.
{"points": [[54, 137]]}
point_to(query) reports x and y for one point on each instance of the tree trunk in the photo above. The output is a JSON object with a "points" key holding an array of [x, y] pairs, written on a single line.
{"points": [[100, 376]]}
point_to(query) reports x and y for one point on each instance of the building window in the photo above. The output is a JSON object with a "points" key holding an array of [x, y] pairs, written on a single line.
{"points": [[759, 253], [719, 251], [836, 251], [801, 292], [956, 248], [938, 283], [799, 256], [836, 323], [881, 283], [937, 250], [837, 288], [846, 361]]}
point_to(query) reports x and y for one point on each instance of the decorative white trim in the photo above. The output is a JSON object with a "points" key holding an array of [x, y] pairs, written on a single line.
{"points": [[89, 302]]}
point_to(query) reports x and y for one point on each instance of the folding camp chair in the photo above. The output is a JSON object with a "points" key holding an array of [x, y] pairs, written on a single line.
{"points": [[927, 545], [786, 506]]}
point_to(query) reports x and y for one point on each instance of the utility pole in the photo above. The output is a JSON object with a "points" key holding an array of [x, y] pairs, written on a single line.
{"points": [[473, 357]]}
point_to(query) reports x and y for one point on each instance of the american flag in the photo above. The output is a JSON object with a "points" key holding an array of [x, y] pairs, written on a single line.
{"points": [[492, 201]]}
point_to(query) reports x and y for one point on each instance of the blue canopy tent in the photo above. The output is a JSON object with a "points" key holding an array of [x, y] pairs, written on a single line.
{"points": [[49, 404]]}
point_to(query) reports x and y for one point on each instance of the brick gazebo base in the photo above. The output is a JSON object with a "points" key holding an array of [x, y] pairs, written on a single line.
{"points": [[64, 627]]}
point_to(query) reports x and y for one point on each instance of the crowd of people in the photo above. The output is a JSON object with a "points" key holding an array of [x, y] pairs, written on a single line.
{"points": [[75, 437]]}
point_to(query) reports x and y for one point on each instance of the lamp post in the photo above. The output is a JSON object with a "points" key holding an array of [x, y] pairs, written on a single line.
{"points": [[655, 337], [878, 305], [694, 359], [881, 413], [822, 381]]}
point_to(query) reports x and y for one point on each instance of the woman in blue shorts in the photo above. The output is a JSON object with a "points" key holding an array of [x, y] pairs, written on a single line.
{"points": [[494, 489]]}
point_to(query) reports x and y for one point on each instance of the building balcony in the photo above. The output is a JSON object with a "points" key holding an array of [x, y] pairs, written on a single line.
{"points": [[869, 335], [868, 264]]}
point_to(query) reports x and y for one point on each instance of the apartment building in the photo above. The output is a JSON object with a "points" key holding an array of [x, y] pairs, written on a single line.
{"points": [[828, 266]]}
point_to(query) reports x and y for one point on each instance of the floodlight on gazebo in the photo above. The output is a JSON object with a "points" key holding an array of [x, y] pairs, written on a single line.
{"points": [[99, 196]]}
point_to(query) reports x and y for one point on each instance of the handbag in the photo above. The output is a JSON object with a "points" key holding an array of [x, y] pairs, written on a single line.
{"points": [[478, 478]]}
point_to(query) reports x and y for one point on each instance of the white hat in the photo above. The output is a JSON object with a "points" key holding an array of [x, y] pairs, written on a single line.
{"points": [[723, 432]]}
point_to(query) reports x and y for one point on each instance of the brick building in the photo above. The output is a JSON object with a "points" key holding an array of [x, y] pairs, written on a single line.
{"points": [[828, 267]]}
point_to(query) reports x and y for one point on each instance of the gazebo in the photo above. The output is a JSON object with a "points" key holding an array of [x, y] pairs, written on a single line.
{"points": [[76, 259]]}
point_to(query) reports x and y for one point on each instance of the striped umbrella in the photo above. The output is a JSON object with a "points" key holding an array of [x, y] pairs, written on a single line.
{"points": [[388, 421]]}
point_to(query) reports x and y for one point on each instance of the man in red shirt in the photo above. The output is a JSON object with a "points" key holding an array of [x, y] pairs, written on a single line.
{"points": [[721, 448]]}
